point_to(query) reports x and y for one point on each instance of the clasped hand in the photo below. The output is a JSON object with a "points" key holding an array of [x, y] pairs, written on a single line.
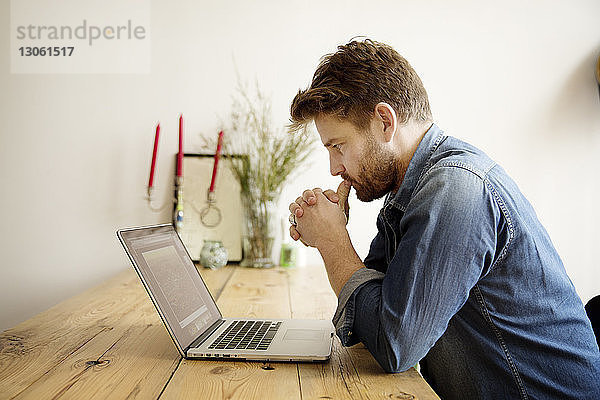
{"points": [[321, 216]]}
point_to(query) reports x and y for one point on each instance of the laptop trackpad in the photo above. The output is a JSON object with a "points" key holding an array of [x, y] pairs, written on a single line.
{"points": [[303, 334]]}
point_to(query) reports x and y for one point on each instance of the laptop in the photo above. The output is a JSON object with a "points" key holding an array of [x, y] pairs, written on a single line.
{"points": [[193, 319]]}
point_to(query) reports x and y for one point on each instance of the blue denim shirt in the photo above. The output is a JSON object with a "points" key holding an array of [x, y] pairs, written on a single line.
{"points": [[463, 277]]}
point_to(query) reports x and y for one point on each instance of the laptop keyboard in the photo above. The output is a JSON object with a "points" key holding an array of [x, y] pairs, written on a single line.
{"points": [[244, 335]]}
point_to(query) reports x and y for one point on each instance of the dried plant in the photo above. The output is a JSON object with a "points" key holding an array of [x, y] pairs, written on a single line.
{"points": [[270, 157]]}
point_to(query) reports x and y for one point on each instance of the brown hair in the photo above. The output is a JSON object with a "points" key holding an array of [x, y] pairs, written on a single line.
{"points": [[350, 82]]}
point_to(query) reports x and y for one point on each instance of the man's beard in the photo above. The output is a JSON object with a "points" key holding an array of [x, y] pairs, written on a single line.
{"points": [[378, 172]]}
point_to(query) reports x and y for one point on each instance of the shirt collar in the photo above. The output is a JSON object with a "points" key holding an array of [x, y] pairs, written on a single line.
{"points": [[417, 165]]}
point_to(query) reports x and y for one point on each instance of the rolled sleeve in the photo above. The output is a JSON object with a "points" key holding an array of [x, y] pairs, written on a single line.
{"points": [[344, 316]]}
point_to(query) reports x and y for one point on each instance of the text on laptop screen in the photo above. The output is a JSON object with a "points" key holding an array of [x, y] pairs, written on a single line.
{"points": [[174, 282]]}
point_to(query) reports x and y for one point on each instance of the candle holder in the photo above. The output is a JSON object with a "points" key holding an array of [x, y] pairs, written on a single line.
{"points": [[178, 198], [178, 195], [210, 215], [150, 200]]}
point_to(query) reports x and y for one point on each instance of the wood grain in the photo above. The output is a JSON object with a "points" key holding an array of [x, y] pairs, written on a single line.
{"points": [[216, 279], [135, 358], [34, 347], [352, 373], [250, 293], [109, 342], [126, 335]]}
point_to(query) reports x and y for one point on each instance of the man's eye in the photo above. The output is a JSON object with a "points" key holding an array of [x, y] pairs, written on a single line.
{"points": [[337, 147]]}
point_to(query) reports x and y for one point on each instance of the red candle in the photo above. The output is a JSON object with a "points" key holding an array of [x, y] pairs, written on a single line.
{"points": [[154, 152], [180, 154], [217, 154]]}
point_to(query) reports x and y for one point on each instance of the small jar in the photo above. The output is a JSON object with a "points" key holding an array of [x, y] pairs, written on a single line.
{"points": [[213, 254]]}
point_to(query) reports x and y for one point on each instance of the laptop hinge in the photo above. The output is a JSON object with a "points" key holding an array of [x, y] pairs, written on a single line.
{"points": [[205, 335]]}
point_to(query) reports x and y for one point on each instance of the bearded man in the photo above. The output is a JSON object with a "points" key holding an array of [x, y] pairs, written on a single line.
{"points": [[461, 276]]}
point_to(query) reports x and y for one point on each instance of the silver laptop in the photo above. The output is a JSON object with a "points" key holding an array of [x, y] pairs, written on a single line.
{"points": [[193, 319]]}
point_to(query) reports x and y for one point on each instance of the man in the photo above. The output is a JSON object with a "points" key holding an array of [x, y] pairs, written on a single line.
{"points": [[461, 275]]}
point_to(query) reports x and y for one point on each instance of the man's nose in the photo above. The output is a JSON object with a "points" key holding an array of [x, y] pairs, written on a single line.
{"points": [[335, 167]]}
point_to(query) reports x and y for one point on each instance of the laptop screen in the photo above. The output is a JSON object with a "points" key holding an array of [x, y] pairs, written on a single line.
{"points": [[172, 278]]}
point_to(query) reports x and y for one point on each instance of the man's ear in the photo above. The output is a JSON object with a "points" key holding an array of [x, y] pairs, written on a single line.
{"points": [[387, 116]]}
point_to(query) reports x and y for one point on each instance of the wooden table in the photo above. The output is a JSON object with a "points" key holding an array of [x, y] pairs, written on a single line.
{"points": [[109, 343]]}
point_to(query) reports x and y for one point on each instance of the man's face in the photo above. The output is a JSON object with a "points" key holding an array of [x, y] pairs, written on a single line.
{"points": [[358, 157]]}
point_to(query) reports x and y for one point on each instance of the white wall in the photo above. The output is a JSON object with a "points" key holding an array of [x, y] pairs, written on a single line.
{"points": [[514, 78]]}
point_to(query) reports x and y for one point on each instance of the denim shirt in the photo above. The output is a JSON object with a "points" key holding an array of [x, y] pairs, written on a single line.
{"points": [[463, 277]]}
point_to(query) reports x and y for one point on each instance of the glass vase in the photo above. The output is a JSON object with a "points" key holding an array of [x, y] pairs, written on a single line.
{"points": [[260, 230]]}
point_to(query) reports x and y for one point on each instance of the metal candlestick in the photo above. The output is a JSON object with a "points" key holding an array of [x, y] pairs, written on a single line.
{"points": [[178, 214], [177, 200], [150, 200], [210, 215]]}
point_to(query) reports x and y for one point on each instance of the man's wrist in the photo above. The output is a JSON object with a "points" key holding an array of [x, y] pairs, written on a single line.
{"points": [[341, 262], [334, 244]]}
